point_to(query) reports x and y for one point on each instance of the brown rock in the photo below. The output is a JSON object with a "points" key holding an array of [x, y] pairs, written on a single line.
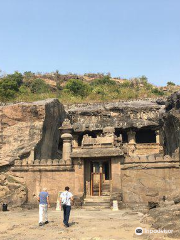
{"points": [[30, 127]]}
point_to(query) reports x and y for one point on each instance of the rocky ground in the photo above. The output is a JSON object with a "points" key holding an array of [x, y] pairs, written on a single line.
{"points": [[88, 225], [167, 216]]}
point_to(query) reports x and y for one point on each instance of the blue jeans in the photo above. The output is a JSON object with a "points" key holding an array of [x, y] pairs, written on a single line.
{"points": [[66, 210]]}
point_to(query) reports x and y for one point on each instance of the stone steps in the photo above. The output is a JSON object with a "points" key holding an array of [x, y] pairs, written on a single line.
{"points": [[96, 202], [97, 199]]}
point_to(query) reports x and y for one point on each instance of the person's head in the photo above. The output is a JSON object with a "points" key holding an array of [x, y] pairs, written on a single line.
{"points": [[44, 189], [66, 188]]}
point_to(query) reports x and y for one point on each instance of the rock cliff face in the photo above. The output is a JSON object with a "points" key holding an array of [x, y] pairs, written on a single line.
{"points": [[171, 126], [26, 129], [28, 126], [124, 115], [29, 131]]}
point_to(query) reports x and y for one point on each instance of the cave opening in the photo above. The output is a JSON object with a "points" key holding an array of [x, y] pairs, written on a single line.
{"points": [[146, 136], [60, 144], [80, 137], [123, 133]]}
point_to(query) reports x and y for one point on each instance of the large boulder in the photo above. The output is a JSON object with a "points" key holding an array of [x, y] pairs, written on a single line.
{"points": [[30, 127]]}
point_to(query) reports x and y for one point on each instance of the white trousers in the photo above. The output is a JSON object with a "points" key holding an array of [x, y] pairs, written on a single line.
{"points": [[43, 213]]}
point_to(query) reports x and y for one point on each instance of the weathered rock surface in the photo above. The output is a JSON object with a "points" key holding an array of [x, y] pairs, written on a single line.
{"points": [[165, 217], [30, 128], [12, 189], [171, 126], [150, 184], [123, 114]]}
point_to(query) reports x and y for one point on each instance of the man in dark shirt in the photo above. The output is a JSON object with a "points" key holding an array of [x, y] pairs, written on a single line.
{"points": [[43, 207]]}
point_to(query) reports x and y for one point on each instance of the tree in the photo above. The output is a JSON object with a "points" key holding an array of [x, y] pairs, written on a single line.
{"points": [[170, 84], [143, 79], [16, 77], [28, 78], [39, 86], [58, 80], [8, 89], [9, 86], [78, 87]]}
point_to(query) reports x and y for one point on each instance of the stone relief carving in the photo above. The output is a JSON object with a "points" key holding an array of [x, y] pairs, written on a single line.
{"points": [[66, 123]]}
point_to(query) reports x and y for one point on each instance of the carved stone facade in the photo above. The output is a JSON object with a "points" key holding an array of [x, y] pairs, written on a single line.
{"points": [[111, 149]]}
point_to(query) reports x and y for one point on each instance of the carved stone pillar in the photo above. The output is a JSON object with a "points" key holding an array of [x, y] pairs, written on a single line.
{"points": [[157, 137], [100, 168], [75, 142], [131, 142], [67, 146], [66, 130], [131, 137]]}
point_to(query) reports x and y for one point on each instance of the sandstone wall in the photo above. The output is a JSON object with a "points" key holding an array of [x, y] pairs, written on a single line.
{"points": [[54, 181], [149, 178], [150, 185], [52, 174]]}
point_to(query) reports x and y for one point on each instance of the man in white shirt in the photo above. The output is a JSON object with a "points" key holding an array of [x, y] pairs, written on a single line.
{"points": [[65, 198]]}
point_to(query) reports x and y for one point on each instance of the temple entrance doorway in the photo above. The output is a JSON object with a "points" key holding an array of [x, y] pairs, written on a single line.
{"points": [[100, 177]]}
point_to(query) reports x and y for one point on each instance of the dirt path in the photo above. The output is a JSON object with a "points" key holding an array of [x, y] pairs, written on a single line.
{"points": [[84, 225]]}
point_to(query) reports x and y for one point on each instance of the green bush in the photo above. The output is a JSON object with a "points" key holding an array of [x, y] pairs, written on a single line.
{"points": [[103, 81], [78, 87], [126, 84], [39, 86], [16, 77], [98, 90], [8, 89], [23, 89], [156, 91]]}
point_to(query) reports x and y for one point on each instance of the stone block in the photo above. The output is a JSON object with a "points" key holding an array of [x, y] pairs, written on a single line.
{"points": [[128, 160], [24, 162], [55, 162], [49, 162], [151, 158], [177, 200], [135, 159], [18, 162], [43, 162], [159, 159], [167, 158], [152, 194], [143, 159], [36, 162]]}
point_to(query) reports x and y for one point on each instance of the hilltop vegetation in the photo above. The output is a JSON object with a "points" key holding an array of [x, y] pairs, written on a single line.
{"points": [[72, 88]]}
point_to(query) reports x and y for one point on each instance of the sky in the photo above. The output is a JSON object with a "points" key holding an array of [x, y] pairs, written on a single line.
{"points": [[128, 38]]}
